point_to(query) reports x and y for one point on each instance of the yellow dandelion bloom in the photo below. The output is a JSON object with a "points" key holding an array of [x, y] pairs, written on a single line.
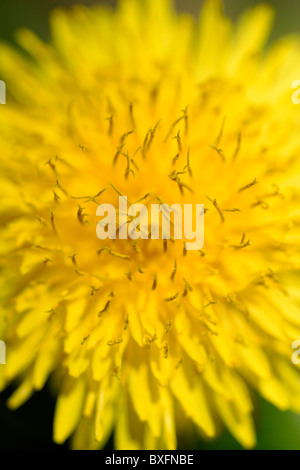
{"points": [[143, 338]]}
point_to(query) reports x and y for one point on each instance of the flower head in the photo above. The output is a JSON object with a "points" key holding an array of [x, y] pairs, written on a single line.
{"points": [[143, 337]]}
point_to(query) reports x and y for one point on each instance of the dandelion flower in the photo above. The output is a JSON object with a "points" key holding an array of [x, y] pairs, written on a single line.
{"points": [[144, 338]]}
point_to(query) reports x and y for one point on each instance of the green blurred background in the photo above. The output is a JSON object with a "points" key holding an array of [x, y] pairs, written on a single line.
{"points": [[31, 426], [34, 13]]}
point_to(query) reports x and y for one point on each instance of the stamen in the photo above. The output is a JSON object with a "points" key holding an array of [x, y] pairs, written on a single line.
{"points": [[114, 342], [238, 147], [52, 312], [136, 247], [94, 290], [131, 114], [215, 204], [90, 198], [73, 258], [118, 192], [58, 185], [178, 138], [41, 220], [110, 119], [219, 152], [173, 297], [79, 273], [134, 164], [175, 159], [119, 150], [168, 327], [253, 183], [208, 318], [85, 339], [208, 330], [124, 136], [110, 107], [187, 288], [152, 134], [154, 285], [242, 245], [219, 138], [149, 139], [187, 166], [81, 215], [179, 362], [126, 323], [53, 223], [149, 341], [82, 147], [128, 169], [186, 119], [172, 128], [174, 271], [174, 177], [276, 192], [121, 146], [56, 197], [52, 166], [260, 202], [211, 302], [112, 253], [93, 198], [143, 198], [137, 150]]}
